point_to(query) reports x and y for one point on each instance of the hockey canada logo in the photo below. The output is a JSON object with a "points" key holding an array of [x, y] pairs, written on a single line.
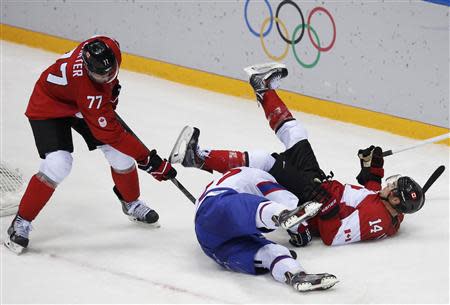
{"points": [[102, 122]]}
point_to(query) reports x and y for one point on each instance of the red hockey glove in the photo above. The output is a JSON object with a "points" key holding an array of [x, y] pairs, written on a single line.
{"points": [[372, 162], [160, 169]]}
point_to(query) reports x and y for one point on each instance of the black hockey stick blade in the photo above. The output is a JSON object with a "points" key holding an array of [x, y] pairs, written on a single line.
{"points": [[437, 173], [183, 190], [387, 153]]}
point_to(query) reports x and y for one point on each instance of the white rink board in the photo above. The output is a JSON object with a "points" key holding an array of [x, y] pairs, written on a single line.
{"points": [[387, 56], [84, 250]]}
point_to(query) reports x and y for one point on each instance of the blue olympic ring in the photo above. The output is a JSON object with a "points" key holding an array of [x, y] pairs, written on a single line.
{"points": [[248, 23]]}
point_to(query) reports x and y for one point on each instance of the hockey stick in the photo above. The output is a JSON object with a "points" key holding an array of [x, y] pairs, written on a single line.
{"points": [[431, 140], [434, 176], [174, 180]]}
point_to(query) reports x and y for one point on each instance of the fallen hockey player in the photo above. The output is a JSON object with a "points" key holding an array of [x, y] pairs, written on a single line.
{"points": [[350, 213], [231, 216]]}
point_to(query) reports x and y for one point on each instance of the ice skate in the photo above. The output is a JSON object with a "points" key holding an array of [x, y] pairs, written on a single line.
{"points": [[17, 235], [307, 282], [264, 77], [138, 211], [289, 218], [186, 149]]}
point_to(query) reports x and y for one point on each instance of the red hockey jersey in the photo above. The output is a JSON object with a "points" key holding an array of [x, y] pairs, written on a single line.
{"points": [[65, 89], [362, 215]]}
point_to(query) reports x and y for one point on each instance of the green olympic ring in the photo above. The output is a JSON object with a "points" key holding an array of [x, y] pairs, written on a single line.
{"points": [[314, 63]]}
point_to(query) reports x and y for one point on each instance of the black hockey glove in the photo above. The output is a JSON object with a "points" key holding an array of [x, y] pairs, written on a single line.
{"points": [[160, 169], [301, 238], [371, 160], [115, 95], [116, 91]]}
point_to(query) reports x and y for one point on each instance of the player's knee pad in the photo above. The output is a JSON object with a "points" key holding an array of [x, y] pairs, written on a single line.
{"points": [[260, 159], [292, 132], [119, 161], [267, 254], [56, 166]]}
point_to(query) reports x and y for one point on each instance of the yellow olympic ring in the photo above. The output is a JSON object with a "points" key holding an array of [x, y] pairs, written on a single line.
{"points": [[261, 37]]}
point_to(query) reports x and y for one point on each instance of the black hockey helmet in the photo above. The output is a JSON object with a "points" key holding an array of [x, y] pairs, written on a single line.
{"points": [[100, 61], [411, 195]]}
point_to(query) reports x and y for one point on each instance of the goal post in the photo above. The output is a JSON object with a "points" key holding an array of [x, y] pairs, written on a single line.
{"points": [[11, 189]]}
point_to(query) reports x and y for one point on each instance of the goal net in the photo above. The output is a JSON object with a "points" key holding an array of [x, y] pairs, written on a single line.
{"points": [[11, 189]]}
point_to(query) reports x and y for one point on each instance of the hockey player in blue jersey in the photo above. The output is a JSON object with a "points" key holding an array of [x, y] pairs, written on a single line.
{"points": [[233, 213]]}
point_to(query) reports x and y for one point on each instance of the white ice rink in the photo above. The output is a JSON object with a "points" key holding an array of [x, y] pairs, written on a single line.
{"points": [[84, 250]]}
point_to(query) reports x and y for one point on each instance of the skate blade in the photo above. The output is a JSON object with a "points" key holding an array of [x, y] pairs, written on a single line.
{"points": [[261, 68], [150, 225], [17, 249], [325, 283], [177, 156], [311, 209]]}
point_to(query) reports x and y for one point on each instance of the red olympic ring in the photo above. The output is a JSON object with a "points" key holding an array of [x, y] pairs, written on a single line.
{"points": [[322, 9]]}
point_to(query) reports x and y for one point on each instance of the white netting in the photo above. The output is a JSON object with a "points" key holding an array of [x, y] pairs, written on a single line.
{"points": [[11, 189]]}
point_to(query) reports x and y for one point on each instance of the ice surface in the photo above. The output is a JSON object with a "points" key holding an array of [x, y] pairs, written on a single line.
{"points": [[84, 250]]}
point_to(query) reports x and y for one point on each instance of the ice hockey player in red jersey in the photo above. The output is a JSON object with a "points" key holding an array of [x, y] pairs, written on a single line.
{"points": [[80, 91], [350, 213]]}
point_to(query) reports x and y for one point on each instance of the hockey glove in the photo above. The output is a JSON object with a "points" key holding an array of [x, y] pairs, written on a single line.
{"points": [[116, 91], [160, 169], [330, 205], [301, 238], [372, 162], [115, 95]]}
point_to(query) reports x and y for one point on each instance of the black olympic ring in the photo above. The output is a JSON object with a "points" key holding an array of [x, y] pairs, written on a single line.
{"points": [[301, 15], [294, 41]]}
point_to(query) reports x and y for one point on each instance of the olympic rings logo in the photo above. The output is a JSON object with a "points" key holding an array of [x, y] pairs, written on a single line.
{"points": [[283, 32]]}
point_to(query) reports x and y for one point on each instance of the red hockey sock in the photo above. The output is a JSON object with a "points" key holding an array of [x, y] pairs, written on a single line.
{"points": [[224, 160], [127, 183], [36, 195], [275, 110]]}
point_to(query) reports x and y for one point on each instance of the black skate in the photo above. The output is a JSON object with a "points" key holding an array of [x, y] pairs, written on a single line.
{"points": [[307, 282], [138, 211], [289, 218], [185, 150], [265, 76], [17, 237]]}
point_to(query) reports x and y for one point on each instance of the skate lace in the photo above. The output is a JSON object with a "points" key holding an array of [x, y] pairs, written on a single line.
{"points": [[258, 84], [22, 227], [138, 209]]}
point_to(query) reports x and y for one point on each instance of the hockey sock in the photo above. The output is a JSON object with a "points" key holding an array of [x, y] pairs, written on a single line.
{"points": [[264, 214], [275, 110], [224, 160], [127, 182], [282, 264], [278, 260], [36, 195]]}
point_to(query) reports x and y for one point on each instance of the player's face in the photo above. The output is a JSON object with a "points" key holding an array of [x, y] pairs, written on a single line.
{"points": [[389, 190]]}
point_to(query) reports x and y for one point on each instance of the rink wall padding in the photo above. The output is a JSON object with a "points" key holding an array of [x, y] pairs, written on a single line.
{"points": [[235, 87]]}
